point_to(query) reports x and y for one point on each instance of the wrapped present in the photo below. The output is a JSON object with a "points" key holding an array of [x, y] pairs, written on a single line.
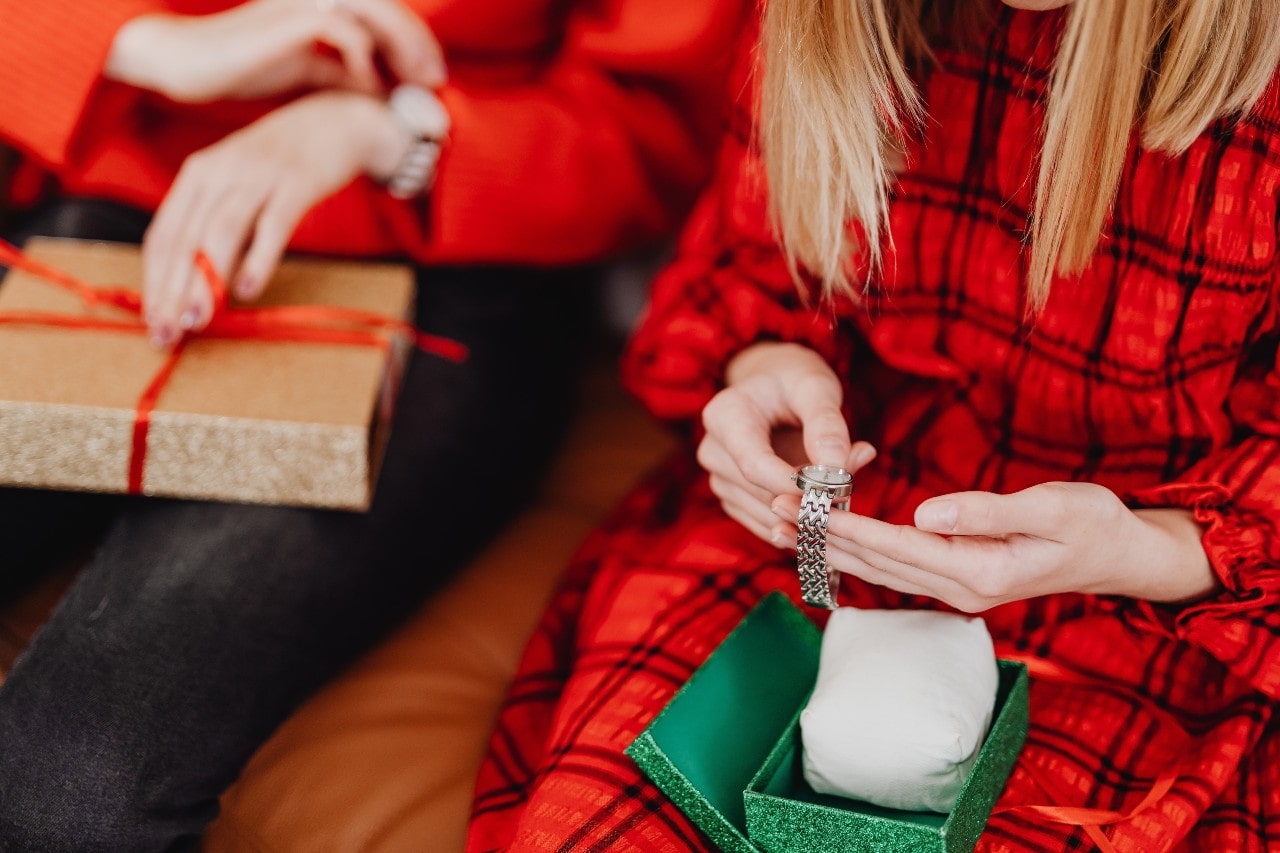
{"points": [[288, 401], [726, 750]]}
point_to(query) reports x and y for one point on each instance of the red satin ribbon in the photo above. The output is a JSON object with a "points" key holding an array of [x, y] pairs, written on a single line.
{"points": [[320, 324], [1089, 819]]}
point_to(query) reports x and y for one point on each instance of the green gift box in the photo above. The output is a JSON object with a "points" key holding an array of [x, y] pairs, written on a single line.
{"points": [[726, 750]]}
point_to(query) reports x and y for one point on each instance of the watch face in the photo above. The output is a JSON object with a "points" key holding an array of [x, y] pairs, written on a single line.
{"points": [[826, 475]]}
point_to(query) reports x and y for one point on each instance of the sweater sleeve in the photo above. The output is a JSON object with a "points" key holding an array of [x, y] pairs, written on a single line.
{"points": [[51, 68], [1235, 495], [729, 286], [603, 150]]}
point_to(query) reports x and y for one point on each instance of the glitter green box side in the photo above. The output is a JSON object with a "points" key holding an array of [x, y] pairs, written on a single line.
{"points": [[784, 815]]}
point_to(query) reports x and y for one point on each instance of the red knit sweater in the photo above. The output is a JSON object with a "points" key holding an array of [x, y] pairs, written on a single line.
{"points": [[579, 128]]}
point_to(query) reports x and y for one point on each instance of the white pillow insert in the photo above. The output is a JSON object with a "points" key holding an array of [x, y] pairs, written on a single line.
{"points": [[903, 701]]}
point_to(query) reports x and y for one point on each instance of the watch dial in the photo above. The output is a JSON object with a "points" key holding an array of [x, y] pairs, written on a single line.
{"points": [[828, 475]]}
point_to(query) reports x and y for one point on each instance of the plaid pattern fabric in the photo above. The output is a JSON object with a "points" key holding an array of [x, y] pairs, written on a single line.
{"points": [[1152, 373]]}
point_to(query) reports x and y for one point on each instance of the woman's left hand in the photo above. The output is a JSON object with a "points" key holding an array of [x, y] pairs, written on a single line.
{"points": [[240, 199], [976, 550]]}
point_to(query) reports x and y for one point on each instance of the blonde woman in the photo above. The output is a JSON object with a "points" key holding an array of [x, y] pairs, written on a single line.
{"points": [[1017, 268]]}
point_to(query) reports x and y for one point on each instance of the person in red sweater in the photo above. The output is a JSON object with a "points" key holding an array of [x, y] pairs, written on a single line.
{"points": [[505, 148], [1037, 315]]}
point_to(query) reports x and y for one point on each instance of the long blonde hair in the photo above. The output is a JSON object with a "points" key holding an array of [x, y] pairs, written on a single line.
{"points": [[838, 98]]}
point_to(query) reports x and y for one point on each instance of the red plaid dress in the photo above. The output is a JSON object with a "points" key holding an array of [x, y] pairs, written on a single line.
{"points": [[1153, 373]]}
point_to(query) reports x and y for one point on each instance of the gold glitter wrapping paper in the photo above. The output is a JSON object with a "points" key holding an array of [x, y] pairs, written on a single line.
{"points": [[726, 750], [240, 420]]}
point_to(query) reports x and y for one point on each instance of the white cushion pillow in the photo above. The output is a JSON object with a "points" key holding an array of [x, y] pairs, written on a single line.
{"points": [[903, 702]]}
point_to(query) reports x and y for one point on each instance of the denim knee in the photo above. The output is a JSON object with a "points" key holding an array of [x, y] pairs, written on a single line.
{"points": [[90, 807]]}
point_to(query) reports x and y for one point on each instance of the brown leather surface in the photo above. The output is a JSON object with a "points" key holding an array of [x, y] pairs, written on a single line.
{"points": [[20, 619], [384, 759]]}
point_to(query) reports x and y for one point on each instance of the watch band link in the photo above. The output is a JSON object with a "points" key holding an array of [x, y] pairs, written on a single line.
{"points": [[818, 583]]}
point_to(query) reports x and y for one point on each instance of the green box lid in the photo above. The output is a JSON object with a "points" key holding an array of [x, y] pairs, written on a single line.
{"points": [[705, 746]]}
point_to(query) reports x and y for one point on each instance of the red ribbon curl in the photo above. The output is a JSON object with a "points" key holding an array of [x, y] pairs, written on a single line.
{"points": [[1091, 820]]}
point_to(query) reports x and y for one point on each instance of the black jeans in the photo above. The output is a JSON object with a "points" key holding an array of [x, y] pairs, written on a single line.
{"points": [[196, 627]]}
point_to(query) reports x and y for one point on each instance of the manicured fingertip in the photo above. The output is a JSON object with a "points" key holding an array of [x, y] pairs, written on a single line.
{"points": [[781, 537], [163, 336], [246, 287], [779, 508], [202, 314], [937, 516], [831, 451], [189, 319], [432, 74], [862, 455]]}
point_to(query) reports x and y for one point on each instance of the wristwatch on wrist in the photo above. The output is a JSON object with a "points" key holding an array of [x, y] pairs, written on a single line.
{"points": [[824, 487], [425, 122]]}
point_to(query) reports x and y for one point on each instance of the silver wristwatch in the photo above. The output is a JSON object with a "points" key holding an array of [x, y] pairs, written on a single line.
{"points": [[824, 487], [425, 122]]}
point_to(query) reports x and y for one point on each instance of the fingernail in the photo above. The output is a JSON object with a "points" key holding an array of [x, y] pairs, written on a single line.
{"points": [[863, 456], [779, 509], [937, 515], [188, 321], [426, 71], [780, 539], [832, 451], [245, 287], [162, 337]]}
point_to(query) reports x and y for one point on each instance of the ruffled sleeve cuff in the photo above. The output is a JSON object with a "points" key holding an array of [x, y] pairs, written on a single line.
{"points": [[1240, 624], [677, 363], [729, 287]]}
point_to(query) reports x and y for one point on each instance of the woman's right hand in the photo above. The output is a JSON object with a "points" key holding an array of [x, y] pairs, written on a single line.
{"points": [[268, 47], [781, 409]]}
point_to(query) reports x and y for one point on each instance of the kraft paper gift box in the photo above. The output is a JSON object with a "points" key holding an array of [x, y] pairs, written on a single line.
{"points": [[257, 421], [726, 750]]}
